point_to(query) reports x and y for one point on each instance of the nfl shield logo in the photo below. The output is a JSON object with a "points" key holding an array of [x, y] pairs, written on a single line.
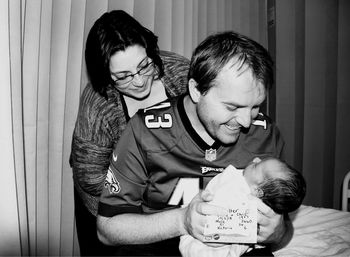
{"points": [[210, 155]]}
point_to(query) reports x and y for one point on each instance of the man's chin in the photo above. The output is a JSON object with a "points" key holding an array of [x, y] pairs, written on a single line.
{"points": [[227, 140]]}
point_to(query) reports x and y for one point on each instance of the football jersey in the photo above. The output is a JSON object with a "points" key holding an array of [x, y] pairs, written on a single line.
{"points": [[161, 162]]}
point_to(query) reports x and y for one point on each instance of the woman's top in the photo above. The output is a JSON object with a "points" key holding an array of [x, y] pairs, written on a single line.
{"points": [[100, 123]]}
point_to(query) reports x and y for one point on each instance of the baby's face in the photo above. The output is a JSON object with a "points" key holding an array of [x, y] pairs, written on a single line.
{"points": [[254, 174], [259, 170]]}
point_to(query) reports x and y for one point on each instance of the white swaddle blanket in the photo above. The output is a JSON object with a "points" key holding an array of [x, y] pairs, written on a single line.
{"points": [[240, 224]]}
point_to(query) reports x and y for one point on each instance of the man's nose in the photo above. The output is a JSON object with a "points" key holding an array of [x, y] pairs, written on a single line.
{"points": [[244, 117]]}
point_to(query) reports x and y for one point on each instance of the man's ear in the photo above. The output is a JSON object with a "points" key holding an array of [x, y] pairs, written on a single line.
{"points": [[193, 91]]}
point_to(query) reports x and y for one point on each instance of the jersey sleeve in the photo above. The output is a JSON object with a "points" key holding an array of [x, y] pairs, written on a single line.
{"points": [[264, 138], [277, 141], [126, 178]]}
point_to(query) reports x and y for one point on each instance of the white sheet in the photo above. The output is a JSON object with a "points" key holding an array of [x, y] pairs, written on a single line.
{"points": [[318, 232]]}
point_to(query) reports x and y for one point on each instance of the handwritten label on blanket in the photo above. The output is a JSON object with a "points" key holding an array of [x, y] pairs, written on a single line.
{"points": [[238, 226]]}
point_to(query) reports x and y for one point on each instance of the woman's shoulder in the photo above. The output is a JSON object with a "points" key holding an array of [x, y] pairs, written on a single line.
{"points": [[99, 117], [95, 107], [175, 72], [172, 57], [90, 100]]}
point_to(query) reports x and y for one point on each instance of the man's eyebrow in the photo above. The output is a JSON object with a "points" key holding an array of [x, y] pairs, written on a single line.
{"points": [[238, 105], [232, 104]]}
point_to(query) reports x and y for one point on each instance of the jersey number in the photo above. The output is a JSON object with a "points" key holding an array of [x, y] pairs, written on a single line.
{"points": [[165, 121], [185, 190], [262, 123]]}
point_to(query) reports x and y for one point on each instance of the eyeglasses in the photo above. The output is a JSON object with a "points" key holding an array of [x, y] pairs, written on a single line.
{"points": [[146, 70]]}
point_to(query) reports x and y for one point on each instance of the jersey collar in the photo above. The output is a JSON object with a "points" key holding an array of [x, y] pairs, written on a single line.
{"points": [[190, 130]]}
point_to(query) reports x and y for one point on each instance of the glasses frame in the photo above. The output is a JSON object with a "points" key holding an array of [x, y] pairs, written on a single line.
{"points": [[118, 82]]}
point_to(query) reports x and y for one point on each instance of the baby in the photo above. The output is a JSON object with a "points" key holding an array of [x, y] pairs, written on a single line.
{"points": [[276, 183]]}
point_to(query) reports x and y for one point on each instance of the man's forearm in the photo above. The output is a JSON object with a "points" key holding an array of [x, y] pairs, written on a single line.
{"points": [[141, 228]]}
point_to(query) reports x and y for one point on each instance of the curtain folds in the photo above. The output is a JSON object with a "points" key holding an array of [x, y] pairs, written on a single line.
{"points": [[42, 74], [312, 67], [13, 216]]}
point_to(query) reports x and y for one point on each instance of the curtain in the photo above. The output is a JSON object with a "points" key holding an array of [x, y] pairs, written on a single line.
{"points": [[13, 217], [312, 93], [42, 74]]}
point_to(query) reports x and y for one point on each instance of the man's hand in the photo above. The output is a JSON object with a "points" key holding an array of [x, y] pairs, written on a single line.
{"points": [[271, 226], [196, 211]]}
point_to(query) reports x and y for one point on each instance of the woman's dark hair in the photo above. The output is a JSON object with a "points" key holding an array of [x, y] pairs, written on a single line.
{"points": [[115, 31], [284, 195], [211, 55]]}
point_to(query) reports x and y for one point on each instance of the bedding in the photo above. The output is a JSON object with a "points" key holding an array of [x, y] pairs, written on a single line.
{"points": [[318, 232]]}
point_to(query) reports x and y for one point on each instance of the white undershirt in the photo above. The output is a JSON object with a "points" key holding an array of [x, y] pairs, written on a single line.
{"points": [[157, 95]]}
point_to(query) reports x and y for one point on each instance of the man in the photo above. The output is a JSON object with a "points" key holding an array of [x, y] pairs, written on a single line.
{"points": [[170, 151]]}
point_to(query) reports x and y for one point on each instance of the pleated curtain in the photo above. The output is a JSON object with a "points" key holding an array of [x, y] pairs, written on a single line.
{"points": [[313, 92]]}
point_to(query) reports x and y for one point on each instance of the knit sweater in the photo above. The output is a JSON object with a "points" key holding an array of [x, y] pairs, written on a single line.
{"points": [[100, 123]]}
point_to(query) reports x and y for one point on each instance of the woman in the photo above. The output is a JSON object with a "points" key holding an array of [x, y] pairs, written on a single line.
{"points": [[127, 72]]}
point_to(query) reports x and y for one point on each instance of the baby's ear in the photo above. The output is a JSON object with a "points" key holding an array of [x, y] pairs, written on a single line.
{"points": [[259, 193], [256, 160]]}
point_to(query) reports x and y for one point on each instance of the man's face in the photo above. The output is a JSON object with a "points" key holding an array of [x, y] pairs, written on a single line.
{"points": [[231, 104]]}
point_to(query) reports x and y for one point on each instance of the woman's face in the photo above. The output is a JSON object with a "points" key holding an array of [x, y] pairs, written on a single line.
{"points": [[132, 70]]}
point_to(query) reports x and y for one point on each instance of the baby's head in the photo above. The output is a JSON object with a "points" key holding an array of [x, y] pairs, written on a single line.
{"points": [[276, 183]]}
